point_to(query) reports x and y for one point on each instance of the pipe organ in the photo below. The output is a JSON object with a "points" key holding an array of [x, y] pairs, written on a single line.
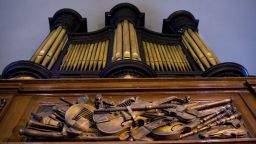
{"points": [[126, 83], [124, 47]]}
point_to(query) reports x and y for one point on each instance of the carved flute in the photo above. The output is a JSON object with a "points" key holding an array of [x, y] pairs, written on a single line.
{"points": [[213, 104], [137, 108], [234, 116]]}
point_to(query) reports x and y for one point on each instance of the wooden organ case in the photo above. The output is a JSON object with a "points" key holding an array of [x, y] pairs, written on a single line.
{"points": [[164, 87]]}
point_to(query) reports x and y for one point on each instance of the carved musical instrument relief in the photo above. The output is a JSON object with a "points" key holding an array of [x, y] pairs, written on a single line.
{"points": [[134, 119]]}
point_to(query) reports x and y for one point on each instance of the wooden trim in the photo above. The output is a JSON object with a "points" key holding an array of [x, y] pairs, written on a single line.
{"points": [[123, 84]]}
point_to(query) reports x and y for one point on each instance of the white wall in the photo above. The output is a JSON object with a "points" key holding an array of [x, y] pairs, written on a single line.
{"points": [[228, 26]]}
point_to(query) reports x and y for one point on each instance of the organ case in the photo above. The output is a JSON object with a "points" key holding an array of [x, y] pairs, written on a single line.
{"points": [[123, 48], [122, 60]]}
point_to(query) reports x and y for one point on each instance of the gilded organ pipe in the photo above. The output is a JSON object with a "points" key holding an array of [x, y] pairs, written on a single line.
{"points": [[184, 59], [114, 46], [89, 56], [165, 57], [85, 56], [126, 41], [105, 54], [201, 53], [154, 54], [67, 56], [119, 45], [101, 54], [159, 58], [204, 50], [50, 48], [96, 58], [47, 45], [33, 58], [134, 43], [193, 54], [164, 61], [78, 57], [125, 44], [82, 56], [197, 50], [53, 48], [206, 46], [175, 58], [150, 56], [56, 54], [146, 53], [168, 60], [93, 54], [72, 62]]}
